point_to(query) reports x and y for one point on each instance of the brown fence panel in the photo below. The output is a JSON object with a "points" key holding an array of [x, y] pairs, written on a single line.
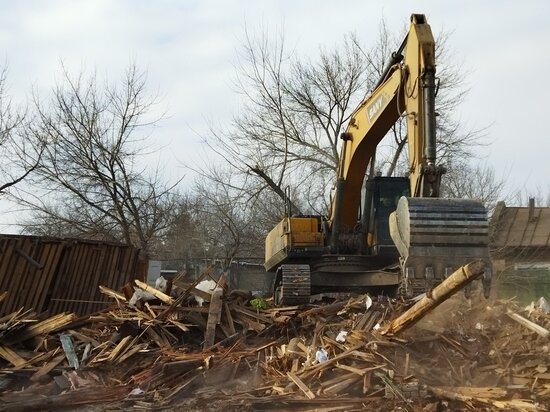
{"points": [[63, 275]]}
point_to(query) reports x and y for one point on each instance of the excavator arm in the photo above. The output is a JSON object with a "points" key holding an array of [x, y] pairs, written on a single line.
{"points": [[407, 89]]}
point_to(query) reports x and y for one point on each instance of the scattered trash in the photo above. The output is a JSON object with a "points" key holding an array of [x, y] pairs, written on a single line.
{"points": [[321, 355], [543, 305], [161, 284], [341, 336], [368, 302], [136, 392], [205, 286]]}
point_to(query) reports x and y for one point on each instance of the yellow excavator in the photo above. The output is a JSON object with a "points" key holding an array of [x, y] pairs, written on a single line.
{"points": [[383, 234]]}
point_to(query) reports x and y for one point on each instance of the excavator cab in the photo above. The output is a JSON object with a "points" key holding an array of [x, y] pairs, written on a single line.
{"points": [[386, 192]]}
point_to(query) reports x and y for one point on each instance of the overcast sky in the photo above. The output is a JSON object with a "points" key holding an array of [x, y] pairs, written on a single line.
{"points": [[188, 49]]}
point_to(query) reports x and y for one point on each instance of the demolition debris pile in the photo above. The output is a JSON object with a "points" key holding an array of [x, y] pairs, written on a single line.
{"points": [[244, 354]]}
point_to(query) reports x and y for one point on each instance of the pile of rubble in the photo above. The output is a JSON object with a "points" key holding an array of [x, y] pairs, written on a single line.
{"points": [[164, 350]]}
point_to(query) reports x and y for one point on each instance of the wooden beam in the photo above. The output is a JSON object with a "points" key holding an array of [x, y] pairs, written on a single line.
{"points": [[459, 279]]}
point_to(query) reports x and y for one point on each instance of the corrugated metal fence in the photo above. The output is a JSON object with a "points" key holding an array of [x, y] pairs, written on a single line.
{"points": [[63, 275]]}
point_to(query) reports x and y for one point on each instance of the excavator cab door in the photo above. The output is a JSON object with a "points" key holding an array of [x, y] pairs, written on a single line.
{"points": [[386, 192]]}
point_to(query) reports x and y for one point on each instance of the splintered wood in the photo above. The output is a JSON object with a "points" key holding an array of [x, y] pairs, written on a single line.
{"points": [[167, 351]]}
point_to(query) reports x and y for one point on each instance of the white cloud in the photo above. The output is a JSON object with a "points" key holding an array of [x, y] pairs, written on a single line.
{"points": [[188, 48]]}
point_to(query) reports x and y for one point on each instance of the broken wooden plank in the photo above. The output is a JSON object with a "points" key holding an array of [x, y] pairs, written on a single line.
{"points": [[314, 369], [120, 348], [112, 293], [181, 326], [249, 324], [459, 279], [133, 349], [181, 366], [155, 292], [205, 296], [83, 338], [357, 371], [323, 310], [160, 340], [336, 379], [86, 352], [252, 314], [39, 358], [11, 356], [48, 367], [303, 387], [52, 324]]}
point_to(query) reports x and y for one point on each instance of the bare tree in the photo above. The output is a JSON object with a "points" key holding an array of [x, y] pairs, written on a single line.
{"points": [[183, 240], [89, 182], [229, 221], [295, 108], [474, 181], [294, 111], [20, 153], [540, 195]]}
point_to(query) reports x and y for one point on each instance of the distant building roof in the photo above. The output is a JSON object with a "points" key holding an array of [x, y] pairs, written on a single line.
{"points": [[520, 227]]}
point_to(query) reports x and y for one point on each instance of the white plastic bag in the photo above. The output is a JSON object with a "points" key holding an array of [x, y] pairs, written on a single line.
{"points": [[321, 355]]}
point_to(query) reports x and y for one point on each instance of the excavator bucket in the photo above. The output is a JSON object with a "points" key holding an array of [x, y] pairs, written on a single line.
{"points": [[436, 236]]}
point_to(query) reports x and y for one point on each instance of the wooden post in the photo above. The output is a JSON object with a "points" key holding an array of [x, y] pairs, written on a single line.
{"points": [[214, 317], [439, 294]]}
